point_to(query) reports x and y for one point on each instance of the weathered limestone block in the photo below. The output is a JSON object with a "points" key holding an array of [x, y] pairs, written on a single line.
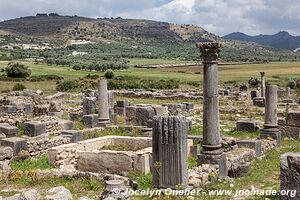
{"points": [[8, 109], [6, 153], [143, 115], [139, 115], [290, 174], [290, 131], [251, 144], [89, 105], [66, 125], [74, 135], [247, 125], [16, 143], [90, 121], [293, 119], [28, 109], [105, 161], [9, 131], [33, 129], [160, 110]]}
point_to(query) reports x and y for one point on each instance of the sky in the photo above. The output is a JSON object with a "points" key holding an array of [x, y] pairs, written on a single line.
{"points": [[217, 16]]}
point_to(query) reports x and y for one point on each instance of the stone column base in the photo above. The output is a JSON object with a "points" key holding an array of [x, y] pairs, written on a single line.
{"points": [[215, 160], [273, 133], [103, 122]]}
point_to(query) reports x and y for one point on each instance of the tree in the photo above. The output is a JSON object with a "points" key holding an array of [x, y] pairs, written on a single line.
{"points": [[17, 70]]}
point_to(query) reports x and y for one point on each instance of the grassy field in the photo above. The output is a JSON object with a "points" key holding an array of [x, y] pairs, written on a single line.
{"points": [[277, 73]]}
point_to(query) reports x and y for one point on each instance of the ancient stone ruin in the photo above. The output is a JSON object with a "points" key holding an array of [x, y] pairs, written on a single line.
{"points": [[186, 140]]}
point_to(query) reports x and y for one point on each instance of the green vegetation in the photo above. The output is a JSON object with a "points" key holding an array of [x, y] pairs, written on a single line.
{"points": [[196, 129], [19, 87], [242, 134], [192, 162], [144, 181], [259, 177], [253, 82], [31, 163], [17, 70], [78, 186], [112, 131], [68, 86], [109, 74]]}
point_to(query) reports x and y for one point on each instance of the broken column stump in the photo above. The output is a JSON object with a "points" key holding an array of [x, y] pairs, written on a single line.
{"points": [[169, 152]]}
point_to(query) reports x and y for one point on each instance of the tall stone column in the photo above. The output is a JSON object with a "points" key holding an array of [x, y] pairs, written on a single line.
{"points": [[263, 84], [103, 113], [212, 152], [271, 129]]}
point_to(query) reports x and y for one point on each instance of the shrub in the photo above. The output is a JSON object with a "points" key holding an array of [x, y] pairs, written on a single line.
{"points": [[46, 78], [253, 82], [67, 86], [94, 76], [109, 74], [292, 83], [19, 87], [17, 70]]}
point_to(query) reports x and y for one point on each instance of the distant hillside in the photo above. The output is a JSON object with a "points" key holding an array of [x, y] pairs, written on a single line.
{"points": [[281, 40], [116, 38], [66, 28]]}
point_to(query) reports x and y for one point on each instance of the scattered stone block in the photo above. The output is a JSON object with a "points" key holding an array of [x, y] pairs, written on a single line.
{"points": [[6, 153], [238, 170], [247, 125], [75, 135], [16, 143], [9, 109], [28, 108], [33, 129], [293, 119], [290, 175], [90, 121], [89, 105], [8, 130], [66, 125], [251, 144]]}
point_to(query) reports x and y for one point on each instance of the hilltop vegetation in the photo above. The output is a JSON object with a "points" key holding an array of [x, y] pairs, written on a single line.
{"points": [[110, 43]]}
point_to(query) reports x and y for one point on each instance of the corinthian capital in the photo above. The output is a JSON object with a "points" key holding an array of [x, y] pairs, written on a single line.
{"points": [[209, 50]]}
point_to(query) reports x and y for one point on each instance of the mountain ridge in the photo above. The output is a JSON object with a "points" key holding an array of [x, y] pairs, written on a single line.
{"points": [[280, 40]]}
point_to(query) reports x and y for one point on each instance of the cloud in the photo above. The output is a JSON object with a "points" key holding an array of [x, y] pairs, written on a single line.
{"points": [[217, 16]]}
